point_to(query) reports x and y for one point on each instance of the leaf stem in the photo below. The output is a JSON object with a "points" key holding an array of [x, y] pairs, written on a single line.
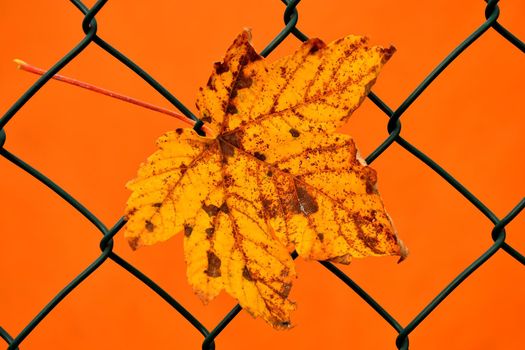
{"points": [[36, 70]]}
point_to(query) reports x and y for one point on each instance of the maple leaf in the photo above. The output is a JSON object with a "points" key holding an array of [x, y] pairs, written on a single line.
{"points": [[275, 178]]}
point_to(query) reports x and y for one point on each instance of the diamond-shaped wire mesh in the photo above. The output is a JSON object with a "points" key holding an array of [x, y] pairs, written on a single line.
{"points": [[394, 129]]}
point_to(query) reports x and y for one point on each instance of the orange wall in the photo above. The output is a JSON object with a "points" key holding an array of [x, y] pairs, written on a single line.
{"points": [[470, 121]]}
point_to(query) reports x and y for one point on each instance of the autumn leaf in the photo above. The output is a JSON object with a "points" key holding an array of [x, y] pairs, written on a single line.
{"points": [[276, 177]]}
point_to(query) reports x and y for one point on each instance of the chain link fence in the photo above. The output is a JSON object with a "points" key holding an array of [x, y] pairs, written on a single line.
{"points": [[89, 26]]}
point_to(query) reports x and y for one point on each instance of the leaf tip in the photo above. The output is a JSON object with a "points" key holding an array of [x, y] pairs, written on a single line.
{"points": [[247, 32], [403, 251], [134, 242], [387, 53], [283, 325]]}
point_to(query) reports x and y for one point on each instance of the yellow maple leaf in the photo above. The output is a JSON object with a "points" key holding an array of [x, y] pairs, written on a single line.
{"points": [[275, 178]]}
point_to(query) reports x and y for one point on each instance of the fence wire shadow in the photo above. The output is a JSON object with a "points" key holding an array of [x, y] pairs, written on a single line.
{"points": [[89, 26]]}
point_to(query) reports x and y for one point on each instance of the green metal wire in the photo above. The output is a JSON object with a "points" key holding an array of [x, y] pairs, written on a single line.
{"points": [[291, 17]]}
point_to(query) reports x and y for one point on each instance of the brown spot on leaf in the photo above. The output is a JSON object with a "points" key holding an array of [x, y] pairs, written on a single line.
{"points": [[209, 232], [294, 132], [308, 204], [231, 109], [246, 274], [370, 188], [351, 49], [178, 131], [283, 71], [371, 242], [227, 181], [320, 236], [214, 265], [293, 205], [317, 44], [149, 226], [157, 205], [211, 83], [188, 230], [206, 118], [227, 143], [134, 242], [224, 208], [259, 156], [269, 207], [227, 149], [243, 81], [369, 175], [211, 209], [221, 67], [253, 55], [269, 173], [232, 139], [266, 203], [250, 56], [285, 290], [183, 168]]}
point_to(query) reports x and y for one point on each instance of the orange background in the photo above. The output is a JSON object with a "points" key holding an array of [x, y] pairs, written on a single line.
{"points": [[470, 121]]}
